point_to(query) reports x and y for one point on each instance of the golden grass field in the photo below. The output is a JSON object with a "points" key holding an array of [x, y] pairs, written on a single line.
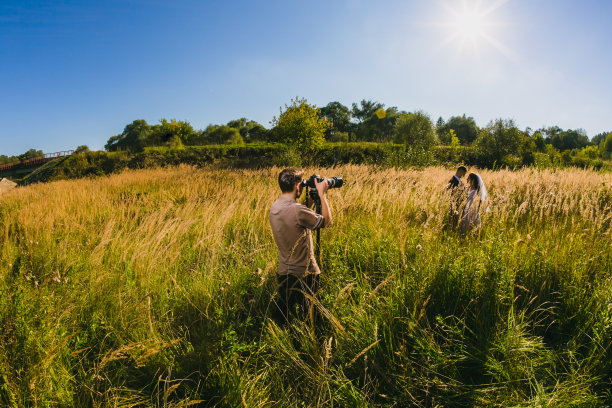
{"points": [[155, 288]]}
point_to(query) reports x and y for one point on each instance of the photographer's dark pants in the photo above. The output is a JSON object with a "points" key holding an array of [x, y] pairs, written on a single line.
{"points": [[294, 293]]}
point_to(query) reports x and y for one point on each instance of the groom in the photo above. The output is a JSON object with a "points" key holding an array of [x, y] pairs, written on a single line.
{"points": [[455, 181], [456, 196]]}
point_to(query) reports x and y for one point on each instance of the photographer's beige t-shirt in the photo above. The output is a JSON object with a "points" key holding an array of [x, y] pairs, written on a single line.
{"points": [[291, 224]]}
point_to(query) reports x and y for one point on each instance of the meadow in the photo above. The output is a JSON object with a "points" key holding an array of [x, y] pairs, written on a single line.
{"points": [[156, 288]]}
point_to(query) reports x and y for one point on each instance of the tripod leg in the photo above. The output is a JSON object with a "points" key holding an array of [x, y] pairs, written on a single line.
{"points": [[318, 241]]}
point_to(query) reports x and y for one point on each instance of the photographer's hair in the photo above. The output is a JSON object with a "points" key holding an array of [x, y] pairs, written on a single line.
{"points": [[288, 178], [473, 181], [461, 168]]}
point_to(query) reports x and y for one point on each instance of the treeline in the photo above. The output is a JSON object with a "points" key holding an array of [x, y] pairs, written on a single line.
{"points": [[96, 163], [4, 159], [300, 124], [304, 127]]}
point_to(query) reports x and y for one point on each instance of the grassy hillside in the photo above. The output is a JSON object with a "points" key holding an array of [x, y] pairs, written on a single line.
{"points": [[155, 288]]}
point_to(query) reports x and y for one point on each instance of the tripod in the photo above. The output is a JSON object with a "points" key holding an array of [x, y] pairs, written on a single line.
{"points": [[317, 201]]}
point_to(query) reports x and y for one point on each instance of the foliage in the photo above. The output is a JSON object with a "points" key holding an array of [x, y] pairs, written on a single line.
{"points": [[539, 142], [300, 125], [267, 155], [29, 154], [370, 121], [250, 131], [134, 137], [139, 134], [608, 143], [569, 139], [464, 127], [415, 129], [365, 110], [223, 134], [598, 138], [81, 149], [379, 127], [501, 143], [336, 137], [374, 122], [591, 152], [171, 132], [340, 118]]}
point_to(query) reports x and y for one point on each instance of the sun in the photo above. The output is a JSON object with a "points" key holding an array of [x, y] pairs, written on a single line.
{"points": [[470, 24], [473, 25]]}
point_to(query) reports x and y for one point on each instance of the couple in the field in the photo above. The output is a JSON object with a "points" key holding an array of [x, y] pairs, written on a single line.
{"points": [[466, 201]]}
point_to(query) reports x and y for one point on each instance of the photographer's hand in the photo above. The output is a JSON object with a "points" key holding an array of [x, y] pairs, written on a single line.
{"points": [[322, 186], [325, 211]]}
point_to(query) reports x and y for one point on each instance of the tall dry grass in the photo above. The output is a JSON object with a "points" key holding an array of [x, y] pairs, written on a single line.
{"points": [[155, 288]]}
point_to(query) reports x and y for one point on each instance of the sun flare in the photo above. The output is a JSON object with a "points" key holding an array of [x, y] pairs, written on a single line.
{"points": [[473, 24], [470, 24]]}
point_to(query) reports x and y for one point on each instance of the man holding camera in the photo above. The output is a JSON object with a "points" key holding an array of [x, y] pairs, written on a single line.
{"points": [[292, 223]]}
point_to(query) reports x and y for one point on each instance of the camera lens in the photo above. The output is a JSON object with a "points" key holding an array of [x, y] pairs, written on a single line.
{"points": [[335, 182]]}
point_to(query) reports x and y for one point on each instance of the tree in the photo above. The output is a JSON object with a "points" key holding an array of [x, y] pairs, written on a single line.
{"points": [[597, 139], [81, 149], [465, 128], [608, 143], [338, 115], [223, 135], [173, 132], [538, 140], [415, 129], [501, 142], [134, 137], [378, 127], [31, 153], [592, 152], [365, 110], [300, 125], [549, 132], [441, 131], [569, 139], [250, 131]]}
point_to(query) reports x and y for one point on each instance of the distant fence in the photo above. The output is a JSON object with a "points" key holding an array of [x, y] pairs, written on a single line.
{"points": [[35, 161]]}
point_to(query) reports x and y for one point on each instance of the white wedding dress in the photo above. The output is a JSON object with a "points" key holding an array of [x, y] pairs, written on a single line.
{"points": [[470, 218]]}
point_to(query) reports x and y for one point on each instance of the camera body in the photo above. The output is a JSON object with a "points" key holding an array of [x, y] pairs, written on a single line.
{"points": [[332, 182]]}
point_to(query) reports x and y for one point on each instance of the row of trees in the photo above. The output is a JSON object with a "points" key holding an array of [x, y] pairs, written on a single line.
{"points": [[4, 159], [306, 126], [174, 133], [31, 153]]}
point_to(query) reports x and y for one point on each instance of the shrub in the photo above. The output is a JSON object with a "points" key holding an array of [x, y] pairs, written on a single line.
{"points": [[300, 125], [415, 129]]}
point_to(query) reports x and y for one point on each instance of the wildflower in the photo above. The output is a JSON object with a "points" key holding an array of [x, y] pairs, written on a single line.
{"points": [[419, 247]]}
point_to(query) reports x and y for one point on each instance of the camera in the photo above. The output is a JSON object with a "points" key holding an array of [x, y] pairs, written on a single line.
{"points": [[332, 182]]}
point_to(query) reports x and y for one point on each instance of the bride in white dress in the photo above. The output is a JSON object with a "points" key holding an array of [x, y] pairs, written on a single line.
{"points": [[477, 197]]}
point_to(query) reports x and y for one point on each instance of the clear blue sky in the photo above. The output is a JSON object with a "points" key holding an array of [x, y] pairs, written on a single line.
{"points": [[76, 72]]}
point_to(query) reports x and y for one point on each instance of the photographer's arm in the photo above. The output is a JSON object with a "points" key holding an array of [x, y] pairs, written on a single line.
{"points": [[325, 211]]}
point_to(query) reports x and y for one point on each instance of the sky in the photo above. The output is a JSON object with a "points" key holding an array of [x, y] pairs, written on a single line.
{"points": [[76, 72]]}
